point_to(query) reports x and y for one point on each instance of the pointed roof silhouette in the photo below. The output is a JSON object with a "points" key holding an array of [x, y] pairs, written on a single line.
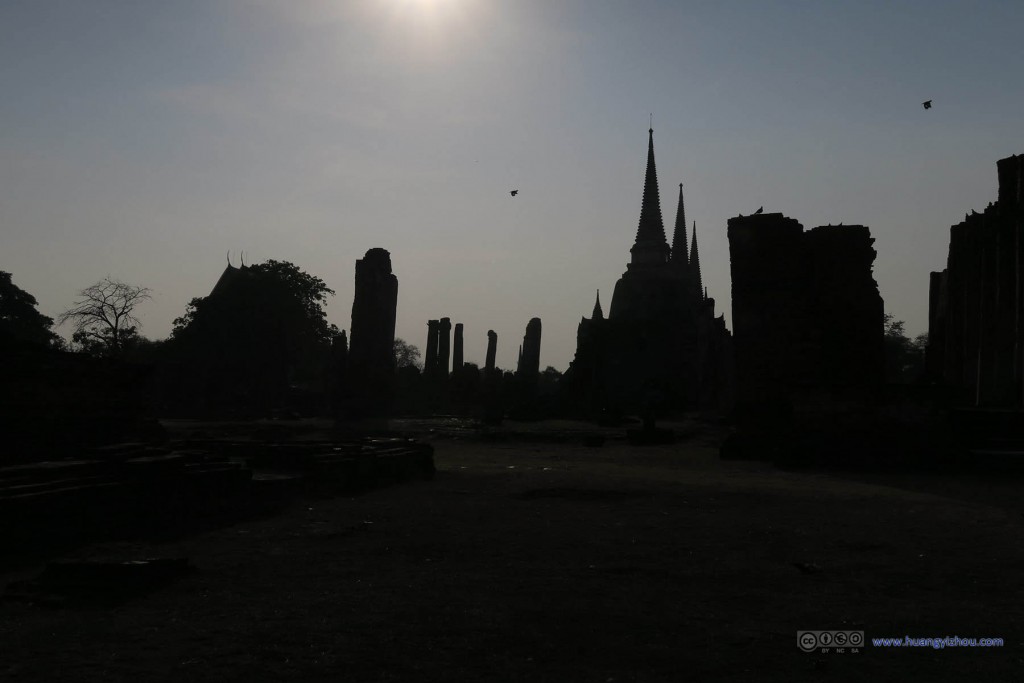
{"points": [[229, 278], [650, 245], [598, 314], [679, 255], [695, 262]]}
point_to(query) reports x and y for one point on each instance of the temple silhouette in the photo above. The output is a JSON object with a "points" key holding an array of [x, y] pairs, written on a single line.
{"points": [[661, 345]]}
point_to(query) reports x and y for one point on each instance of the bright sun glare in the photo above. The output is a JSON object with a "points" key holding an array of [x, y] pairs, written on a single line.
{"points": [[424, 6], [434, 11], [437, 22]]}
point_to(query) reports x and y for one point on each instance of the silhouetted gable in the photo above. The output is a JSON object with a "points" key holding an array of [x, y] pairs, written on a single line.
{"points": [[228, 279]]}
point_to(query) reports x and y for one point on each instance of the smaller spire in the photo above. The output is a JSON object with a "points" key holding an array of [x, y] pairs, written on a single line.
{"points": [[695, 262], [679, 257], [598, 314]]}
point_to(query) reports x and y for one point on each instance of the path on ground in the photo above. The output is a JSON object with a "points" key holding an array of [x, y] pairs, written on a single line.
{"points": [[553, 562]]}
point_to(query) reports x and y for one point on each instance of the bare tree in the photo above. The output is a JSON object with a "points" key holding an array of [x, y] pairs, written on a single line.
{"points": [[103, 316]]}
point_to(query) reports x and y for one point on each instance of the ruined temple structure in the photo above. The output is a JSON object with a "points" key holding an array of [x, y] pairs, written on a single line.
{"points": [[661, 345], [235, 357], [492, 350], [528, 369], [807, 315], [529, 357], [444, 347], [457, 355], [439, 361], [371, 354], [444, 377], [976, 305], [230, 278], [430, 363]]}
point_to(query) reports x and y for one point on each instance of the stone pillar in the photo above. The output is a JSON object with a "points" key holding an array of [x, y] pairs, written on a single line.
{"points": [[529, 365], [492, 350], [494, 409], [528, 372], [457, 350], [430, 364], [444, 347], [371, 352]]}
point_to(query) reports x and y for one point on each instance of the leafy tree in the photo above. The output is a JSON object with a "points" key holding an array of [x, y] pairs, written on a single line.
{"points": [[103, 317], [260, 331], [20, 322], [904, 358], [406, 354], [548, 380], [134, 348], [551, 374], [281, 289]]}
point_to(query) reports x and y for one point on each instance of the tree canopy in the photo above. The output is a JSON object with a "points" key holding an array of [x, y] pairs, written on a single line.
{"points": [[904, 357], [406, 354], [20, 322], [261, 330], [275, 293]]}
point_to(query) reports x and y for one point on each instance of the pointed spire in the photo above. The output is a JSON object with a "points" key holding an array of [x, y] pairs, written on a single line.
{"points": [[650, 245], [695, 262], [598, 314], [679, 256]]}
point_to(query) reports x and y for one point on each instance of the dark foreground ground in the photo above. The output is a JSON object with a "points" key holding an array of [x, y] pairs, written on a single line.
{"points": [[531, 561]]}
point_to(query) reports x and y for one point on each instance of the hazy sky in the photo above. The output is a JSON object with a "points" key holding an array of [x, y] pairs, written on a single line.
{"points": [[144, 139]]}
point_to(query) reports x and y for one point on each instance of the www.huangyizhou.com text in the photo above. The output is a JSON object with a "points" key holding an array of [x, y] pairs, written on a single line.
{"points": [[937, 643]]}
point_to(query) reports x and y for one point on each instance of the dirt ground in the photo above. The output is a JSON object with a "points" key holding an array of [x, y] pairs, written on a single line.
{"points": [[531, 561]]}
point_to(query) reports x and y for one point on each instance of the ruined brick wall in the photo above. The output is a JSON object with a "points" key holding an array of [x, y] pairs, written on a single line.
{"points": [[845, 306], [976, 304], [768, 313], [938, 297], [807, 315]]}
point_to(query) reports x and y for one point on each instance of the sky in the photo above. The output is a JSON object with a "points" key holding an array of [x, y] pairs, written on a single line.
{"points": [[146, 140]]}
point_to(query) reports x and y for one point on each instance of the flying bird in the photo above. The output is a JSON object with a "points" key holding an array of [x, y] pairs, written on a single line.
{"points": [[514, 192], [760, 210], [927, 105]]}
